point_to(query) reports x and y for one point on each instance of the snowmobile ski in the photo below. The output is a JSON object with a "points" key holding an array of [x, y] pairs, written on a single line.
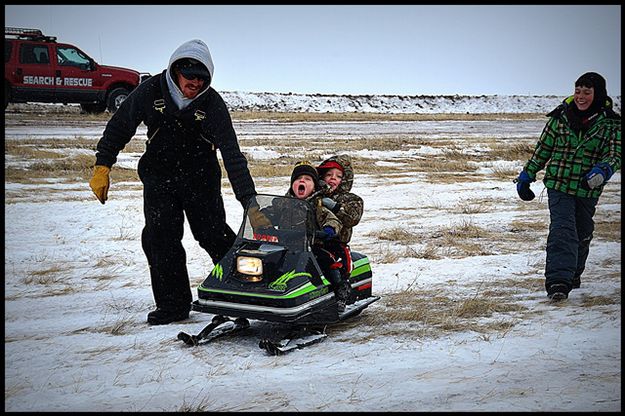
{"points": [[356, 307], [289, 344], [219, 326]]}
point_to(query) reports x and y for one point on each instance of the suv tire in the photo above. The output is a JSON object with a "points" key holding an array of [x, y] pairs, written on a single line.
{"points": [[116, 97]]}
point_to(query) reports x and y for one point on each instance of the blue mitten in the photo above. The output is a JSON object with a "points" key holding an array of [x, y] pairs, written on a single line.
{"points": [[326, 233], [597, 176], [523, 186]]}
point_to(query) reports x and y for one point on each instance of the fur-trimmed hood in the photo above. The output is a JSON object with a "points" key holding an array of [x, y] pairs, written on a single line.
{"points": [[345, 162]]}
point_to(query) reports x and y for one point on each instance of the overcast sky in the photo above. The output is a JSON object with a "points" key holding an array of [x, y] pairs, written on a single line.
{"points": [[330, 49]]}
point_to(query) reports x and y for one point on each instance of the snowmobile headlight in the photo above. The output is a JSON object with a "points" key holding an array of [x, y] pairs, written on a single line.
{"points": [[251, 266]]}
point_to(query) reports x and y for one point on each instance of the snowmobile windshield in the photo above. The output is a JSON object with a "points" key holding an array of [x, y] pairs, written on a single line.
{"points": [[282, 220]]}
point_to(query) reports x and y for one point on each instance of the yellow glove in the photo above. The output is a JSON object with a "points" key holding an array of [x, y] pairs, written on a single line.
{"points": [[100, 182], [258, 219]]}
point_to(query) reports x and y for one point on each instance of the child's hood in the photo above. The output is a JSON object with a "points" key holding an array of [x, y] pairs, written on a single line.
{"points": [[345, 162]]}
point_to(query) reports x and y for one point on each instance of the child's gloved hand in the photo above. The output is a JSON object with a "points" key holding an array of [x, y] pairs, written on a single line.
{"points": [[326, 233], [523, 186], [597, 176], [331, 204], [325, 188]]}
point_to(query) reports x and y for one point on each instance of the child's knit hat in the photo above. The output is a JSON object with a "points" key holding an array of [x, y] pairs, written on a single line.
{"points": [[329, 164], [305, 168]]}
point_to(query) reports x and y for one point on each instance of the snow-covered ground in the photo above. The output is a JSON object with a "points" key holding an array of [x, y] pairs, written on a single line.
{"points": [[77, 290]]}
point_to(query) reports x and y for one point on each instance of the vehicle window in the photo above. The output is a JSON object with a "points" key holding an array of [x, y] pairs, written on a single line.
{"points": [[34, 54], [8, 47], [71, 57]]}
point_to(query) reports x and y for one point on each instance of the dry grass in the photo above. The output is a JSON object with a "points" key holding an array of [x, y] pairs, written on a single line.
{"points": [[511, 151], [532, 284], [437, 169], [525, 225], [44, 158], [427, 313], [429, 252], [46, 276], [266, 169], [465, 239], [73, 112], [121, 326], [40, 163], [397, 234], [591, 301], [462, 239], [609, 230], [505, 174]]}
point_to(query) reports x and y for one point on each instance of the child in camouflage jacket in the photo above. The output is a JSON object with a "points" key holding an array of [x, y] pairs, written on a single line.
{"points": [[338, 174]]}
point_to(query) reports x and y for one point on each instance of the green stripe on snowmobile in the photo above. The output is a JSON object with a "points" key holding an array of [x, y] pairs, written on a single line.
{"points": [[218, 271], [361, 266], [281, 282], [308, 287], [361, 262]]}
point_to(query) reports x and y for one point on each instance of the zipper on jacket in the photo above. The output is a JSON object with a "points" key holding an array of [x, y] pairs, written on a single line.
{"points": [[212, 145], [150, 138]]}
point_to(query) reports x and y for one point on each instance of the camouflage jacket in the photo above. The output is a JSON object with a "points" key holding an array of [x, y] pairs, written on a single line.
{"points": [[350, 206], [568, 156]]}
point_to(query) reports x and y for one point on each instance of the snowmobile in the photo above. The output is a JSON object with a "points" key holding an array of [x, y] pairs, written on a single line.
{"points": [[271, 274]]}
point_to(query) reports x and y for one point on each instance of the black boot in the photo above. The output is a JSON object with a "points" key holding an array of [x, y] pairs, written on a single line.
{"points": [[343, 293], [558, 291], [165, 316], [577, 282], [341, 288]]}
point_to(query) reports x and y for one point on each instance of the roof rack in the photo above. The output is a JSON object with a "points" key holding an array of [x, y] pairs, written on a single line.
{"points": [[26, 33]]}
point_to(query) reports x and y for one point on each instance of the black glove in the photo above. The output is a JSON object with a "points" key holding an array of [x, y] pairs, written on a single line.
{"points": [[523, 186], [597, 176], [324, 187]]}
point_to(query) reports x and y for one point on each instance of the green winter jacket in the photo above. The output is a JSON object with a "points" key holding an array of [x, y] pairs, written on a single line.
{"points": [[567, 156]]}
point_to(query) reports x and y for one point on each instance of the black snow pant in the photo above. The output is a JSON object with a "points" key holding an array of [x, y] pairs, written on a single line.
{"points": [[570, 234], [166, 201]]}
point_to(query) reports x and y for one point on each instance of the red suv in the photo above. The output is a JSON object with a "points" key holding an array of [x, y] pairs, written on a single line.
{"points": [[38, 69]]}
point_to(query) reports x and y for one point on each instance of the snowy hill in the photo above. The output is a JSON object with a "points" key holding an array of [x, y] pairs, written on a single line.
{"points": [[395, 104], [384, 104]]}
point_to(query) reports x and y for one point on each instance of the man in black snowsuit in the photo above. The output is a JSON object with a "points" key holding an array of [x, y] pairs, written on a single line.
{"points": [[187, 121]]}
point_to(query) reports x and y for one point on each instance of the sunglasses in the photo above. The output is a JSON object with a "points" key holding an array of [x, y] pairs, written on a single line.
{"points": [[185, 72]]}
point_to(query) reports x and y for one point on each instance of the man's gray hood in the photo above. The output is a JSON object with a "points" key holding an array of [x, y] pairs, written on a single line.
{"points": [[195, 49]]}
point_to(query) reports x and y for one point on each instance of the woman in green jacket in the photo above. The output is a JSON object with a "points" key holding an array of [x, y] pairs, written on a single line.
{"points": [[580, 149]]}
